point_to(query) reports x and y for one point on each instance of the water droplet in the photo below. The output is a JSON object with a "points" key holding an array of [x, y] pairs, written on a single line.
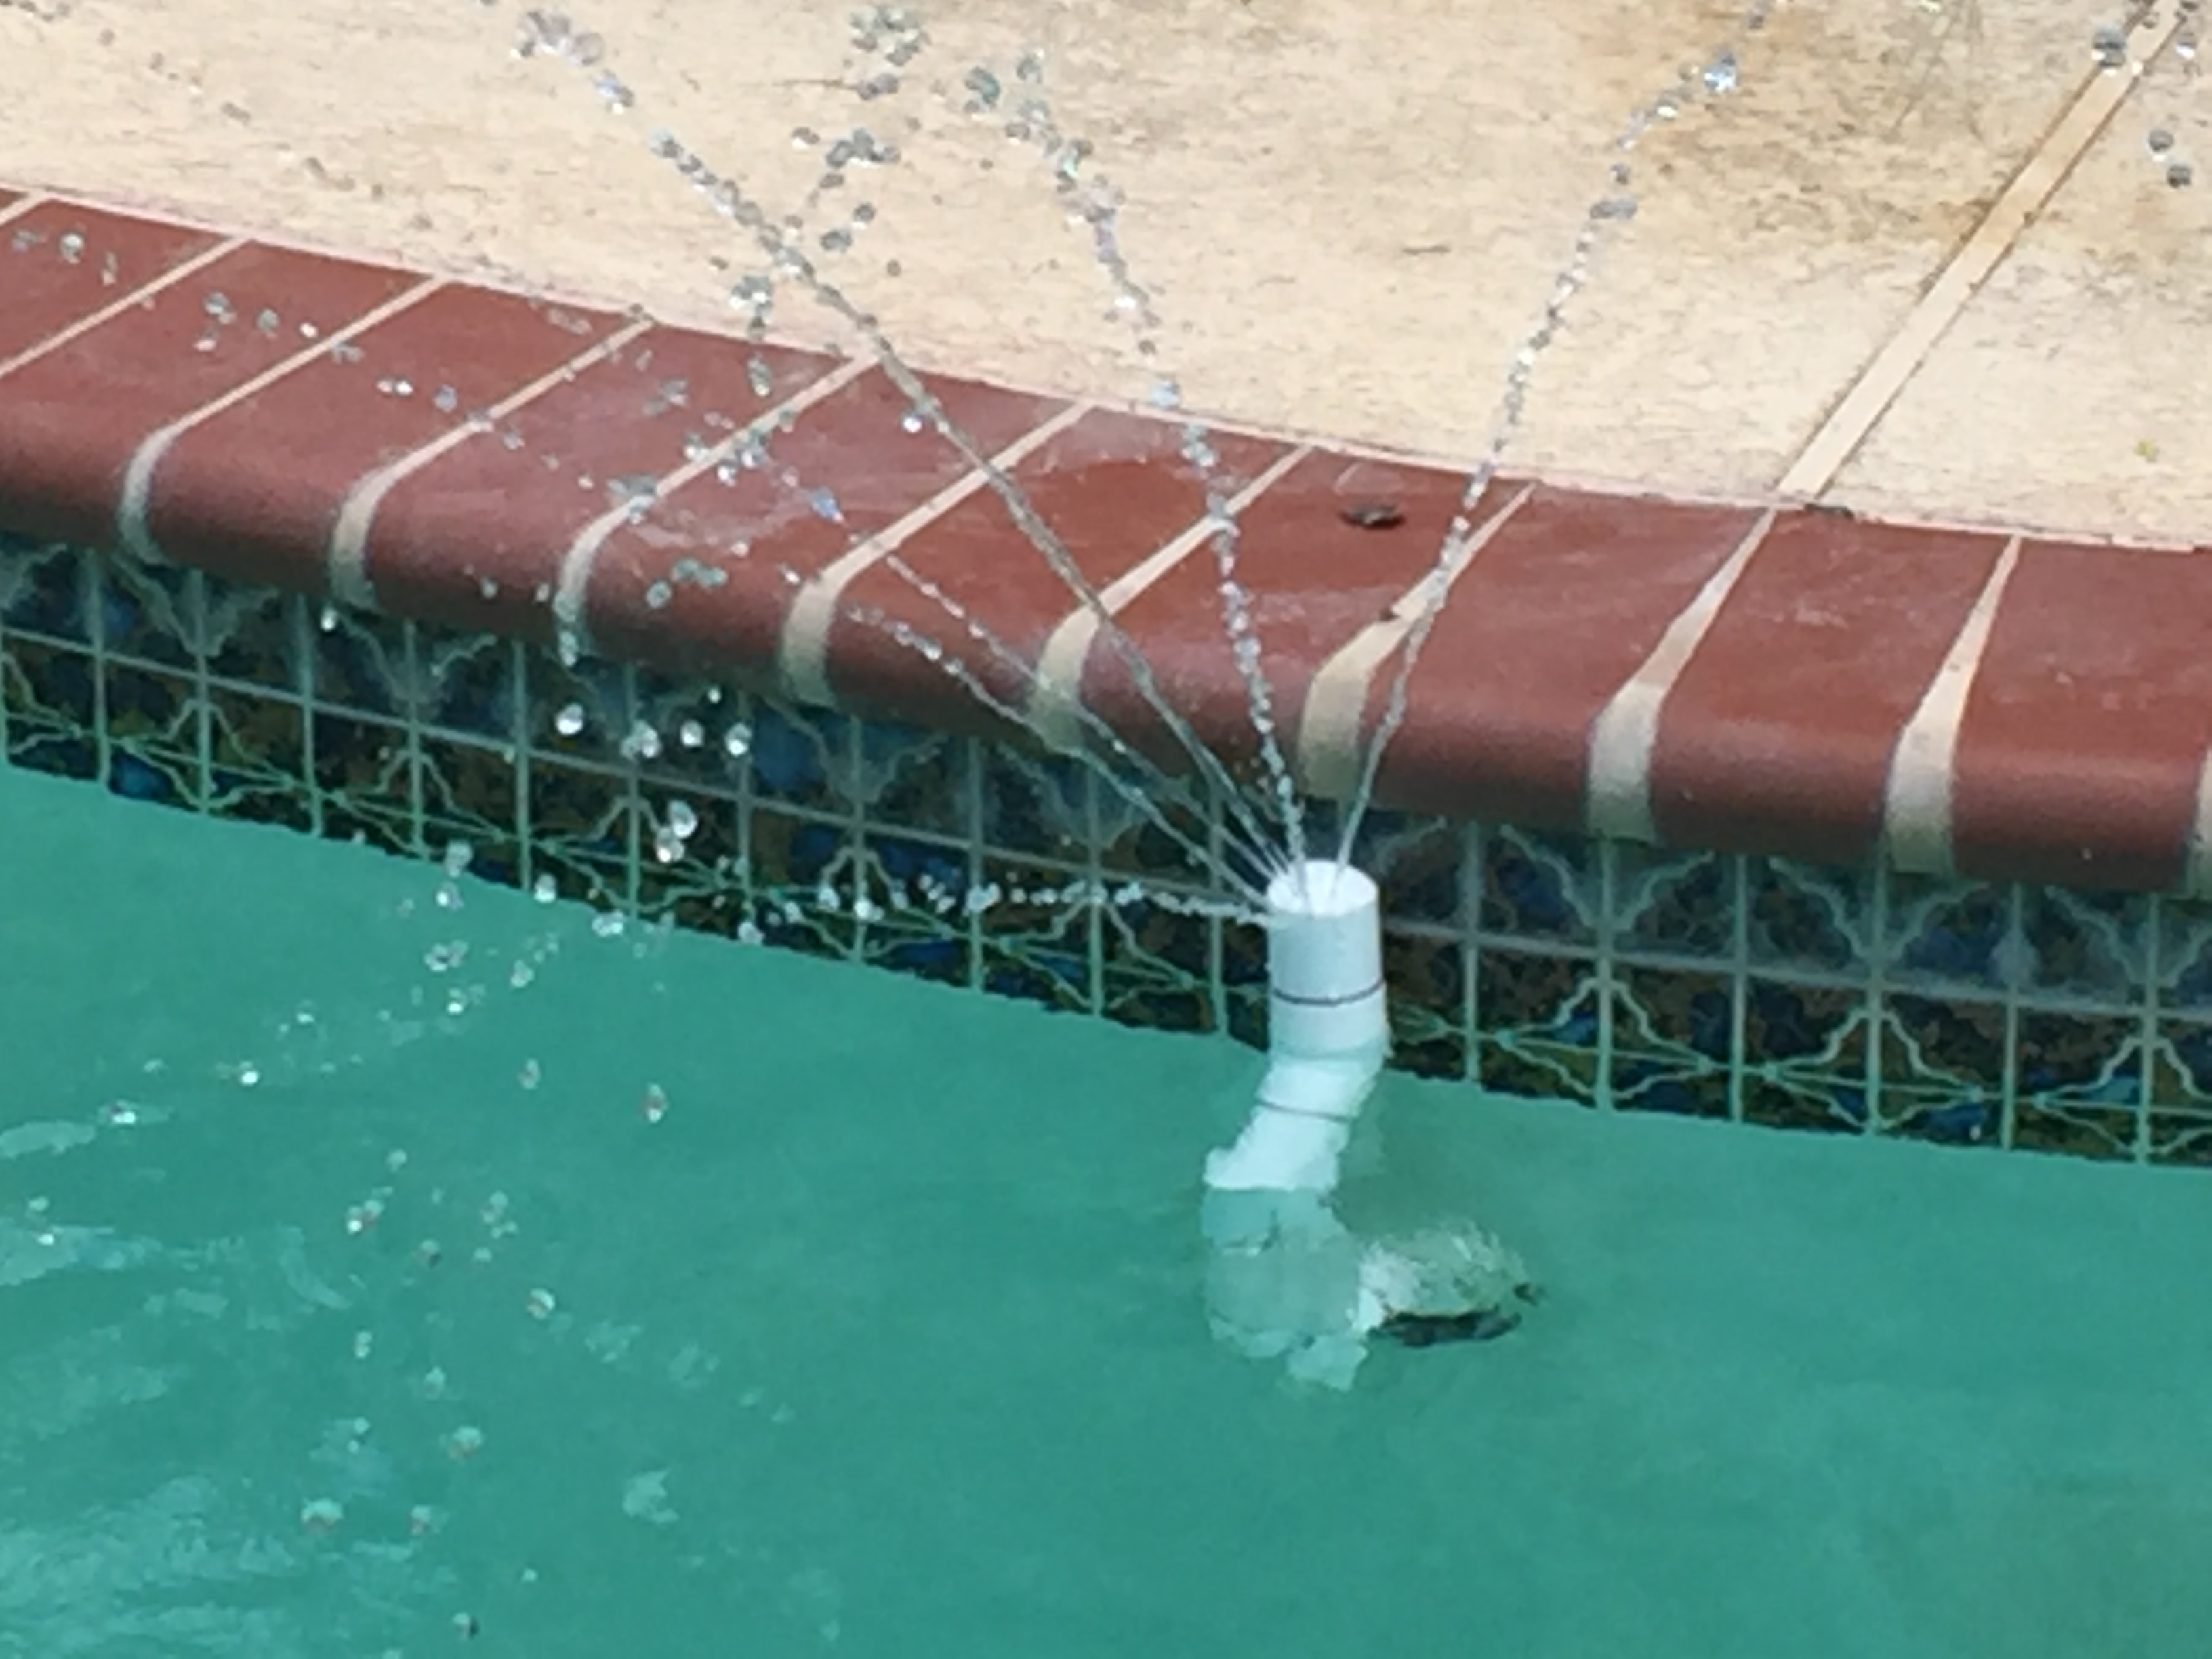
{"points": [[653, 1106], [539, 1305], [363, 1217], [657, 596], [617, 96], [738, 740], [543, 890], [823, 505], [118, 1115], [692, 734], [2179, 175], [531, 1074], [321, 1514], [569, 720], [2109, 45], [1720, 76], [912, 422]]}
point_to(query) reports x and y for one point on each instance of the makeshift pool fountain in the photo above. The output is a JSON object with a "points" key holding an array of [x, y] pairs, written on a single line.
{"points": [[1286, 1278]]}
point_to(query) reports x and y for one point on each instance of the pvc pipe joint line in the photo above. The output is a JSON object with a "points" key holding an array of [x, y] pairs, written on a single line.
{"points": [[1329, 1031]]}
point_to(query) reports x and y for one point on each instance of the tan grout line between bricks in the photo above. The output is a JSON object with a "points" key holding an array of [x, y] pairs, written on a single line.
{"points": [[1869, 397], [1626, 733], [1054, 710], [803, 647], [1916, 809], [138, 476], [115, 308], [345, 557], [1326, 754]]}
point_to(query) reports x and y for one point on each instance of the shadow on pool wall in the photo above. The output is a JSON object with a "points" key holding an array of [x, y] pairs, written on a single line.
{"points": [[1724, 986]]}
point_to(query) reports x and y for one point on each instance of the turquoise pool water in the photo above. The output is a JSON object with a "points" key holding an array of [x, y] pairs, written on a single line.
{"points": [[885, 1336]]}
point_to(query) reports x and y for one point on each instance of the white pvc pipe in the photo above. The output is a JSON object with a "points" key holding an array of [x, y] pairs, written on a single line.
{"points": [[1328, 1032]]}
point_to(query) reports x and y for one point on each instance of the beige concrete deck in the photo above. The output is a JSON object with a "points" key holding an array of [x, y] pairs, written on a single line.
{"points": [[1350, 210]]}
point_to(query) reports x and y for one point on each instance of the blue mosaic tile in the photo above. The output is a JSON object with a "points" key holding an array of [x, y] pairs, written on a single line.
{"points": [[45, 588], [1678, 904], [801, 758], [258, 758], [1806, 918], [473, 684], [1942, 932], [1156, 968], [1034, 806], [150, 613], [917, 780], [1030, 942], [256, 636], [1429, 987], [1673, 1044], [1540, 887], [360, 662]]}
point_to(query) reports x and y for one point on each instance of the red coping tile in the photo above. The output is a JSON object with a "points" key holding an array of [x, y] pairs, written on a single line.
{"points": [[2078, 755], [1114, 487], [59, 262], [253, 492], [1315, 579], [727, 616], [477, 538], [1558, 609], [1778, 736], [71, 419]]}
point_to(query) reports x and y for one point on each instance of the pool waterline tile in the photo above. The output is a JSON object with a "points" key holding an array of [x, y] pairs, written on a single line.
{"points": [[1631, 978], [354, 633]]}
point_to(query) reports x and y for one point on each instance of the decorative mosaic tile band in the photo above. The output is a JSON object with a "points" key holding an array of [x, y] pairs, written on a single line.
{"points": [[1721, 985], [1763, 676]]}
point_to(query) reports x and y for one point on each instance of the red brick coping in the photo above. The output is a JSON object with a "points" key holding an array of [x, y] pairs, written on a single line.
{"points": [[1739, 676]]}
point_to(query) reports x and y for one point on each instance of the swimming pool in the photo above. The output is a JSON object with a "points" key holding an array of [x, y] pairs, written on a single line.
{"points": [[381, 1269]]}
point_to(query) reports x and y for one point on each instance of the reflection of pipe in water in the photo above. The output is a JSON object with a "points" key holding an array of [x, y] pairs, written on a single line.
{"points": [[1285, 1279]]}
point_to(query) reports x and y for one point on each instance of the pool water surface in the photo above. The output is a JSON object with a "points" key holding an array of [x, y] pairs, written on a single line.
{"points": [[386, 1261]]}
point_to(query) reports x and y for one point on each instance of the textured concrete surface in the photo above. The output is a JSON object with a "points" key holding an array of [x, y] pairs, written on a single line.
{"points": [[1351, 212]]}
